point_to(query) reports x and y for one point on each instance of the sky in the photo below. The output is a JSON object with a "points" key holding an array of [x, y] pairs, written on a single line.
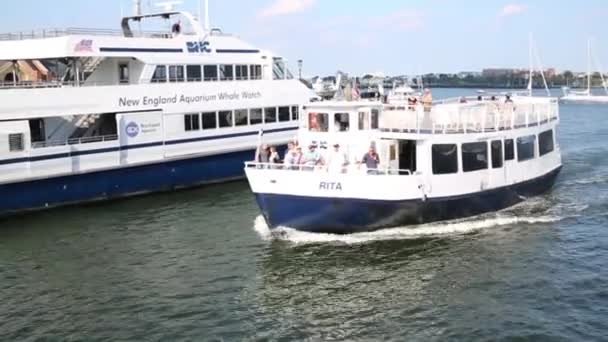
{"points": [[393, 37]]}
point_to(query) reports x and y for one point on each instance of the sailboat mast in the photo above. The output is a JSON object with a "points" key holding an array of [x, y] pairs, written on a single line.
{"points": [[530, 66], [589, 66]]}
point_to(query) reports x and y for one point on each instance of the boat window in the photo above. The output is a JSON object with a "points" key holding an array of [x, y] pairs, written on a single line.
{"points": [[283, 114], [525, 147], [545, 142], [374, 120], [240, 117], [210, 72], [225, 118], [255, 116], [256, 72], [210, 120], [194, 73], [363, 121], [37, 130], [241, 72], [270, 115], [123, 73], [176, 73], [445, 159], [318, 122], [226, 72], [160, 74], [474, 156], [295, 113], [509, 149], [278, 69], [15, 142], [496, 147], [341, 122], [191, 122]]}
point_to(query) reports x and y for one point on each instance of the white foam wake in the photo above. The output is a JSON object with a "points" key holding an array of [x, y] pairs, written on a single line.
{"points": [[456, 227]]}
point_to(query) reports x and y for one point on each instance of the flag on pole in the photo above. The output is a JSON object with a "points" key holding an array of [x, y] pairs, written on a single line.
{"points": [[356, 94]]}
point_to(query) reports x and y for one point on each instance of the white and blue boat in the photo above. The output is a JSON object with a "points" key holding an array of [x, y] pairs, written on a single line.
{"points": [[459, 158], [90, 114]]}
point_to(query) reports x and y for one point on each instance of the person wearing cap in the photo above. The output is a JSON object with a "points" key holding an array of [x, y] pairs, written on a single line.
{"points": [[371, 161], [337, 161], [311, 158]]}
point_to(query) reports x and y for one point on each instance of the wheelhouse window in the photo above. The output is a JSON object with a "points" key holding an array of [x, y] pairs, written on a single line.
{"points": [[123, 73], [318, 122], [241, 72], [256, 116], [226, 72], [474, 156], [209, 120], [240, 117], [225, 118], [496, 149], [160, 74], [525, 147], [176, 73], [191, 122], [509, 150], [210, 72], [545, 142], [255, 72], [283, 114], [278, 69], [194, 73], [374, 120], [270, 115], [295, 113], [341, 122], [445, 159], [363, 121], [15, 142]]}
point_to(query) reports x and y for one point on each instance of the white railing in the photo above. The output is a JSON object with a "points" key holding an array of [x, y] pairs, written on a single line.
{"points": [[75, 141], [348, 169], [72, 31], [468, 117]]}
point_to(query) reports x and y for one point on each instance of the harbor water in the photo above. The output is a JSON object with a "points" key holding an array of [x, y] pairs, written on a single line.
{"points": [[200, 265]]}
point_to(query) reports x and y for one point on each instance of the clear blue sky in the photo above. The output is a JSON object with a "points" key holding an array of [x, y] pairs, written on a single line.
{"points": [[394, 37]]}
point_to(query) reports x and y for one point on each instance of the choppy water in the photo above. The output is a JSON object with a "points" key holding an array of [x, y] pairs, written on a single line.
{"points": [[201, 265]]}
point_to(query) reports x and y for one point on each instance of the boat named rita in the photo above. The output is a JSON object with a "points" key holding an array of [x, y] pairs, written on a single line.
{"points": [[369, 166]]}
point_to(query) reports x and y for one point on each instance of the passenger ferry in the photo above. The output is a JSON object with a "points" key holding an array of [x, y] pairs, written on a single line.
{"points": [[461, 157], [89, 114]]}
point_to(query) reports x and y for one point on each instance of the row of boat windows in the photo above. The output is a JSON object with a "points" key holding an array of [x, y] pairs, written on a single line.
{"points": [[475, 155], [239, 118], [320, 122], [211, 72]]}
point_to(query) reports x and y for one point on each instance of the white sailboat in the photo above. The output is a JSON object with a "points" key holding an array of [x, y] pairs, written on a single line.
{"points": [[586, 96]]}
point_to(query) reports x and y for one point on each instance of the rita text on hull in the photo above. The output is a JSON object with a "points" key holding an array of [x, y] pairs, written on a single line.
{"points": [[368, 166], [89, 114]]}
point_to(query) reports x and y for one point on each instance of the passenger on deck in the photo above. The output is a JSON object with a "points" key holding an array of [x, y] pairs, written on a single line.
{"points": [[293, 159], [427, 100], [371, 160], [337, 161], [176, 29], [274, 156], [290, 147], [311, 158], [463, 99], [411, 102], [508, 99], [479, 98], [262, 155]]}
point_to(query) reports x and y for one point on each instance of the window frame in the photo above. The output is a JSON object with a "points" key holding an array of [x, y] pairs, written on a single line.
{"points": [[220, 115], [246, 122], [453, 168], [509, 149], [266, 116], [284, 116], [215, 121], [191, 125], [223, 72], [156, 78], [468, 165], [498, 157], [189, 78], [261, 112], [520, 149], [178, 78], [546, 149], [214, 67]]}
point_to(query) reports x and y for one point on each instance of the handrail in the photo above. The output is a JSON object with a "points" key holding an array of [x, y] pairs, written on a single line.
{"points": [[73, 31], [75, 141], [388, 171]]}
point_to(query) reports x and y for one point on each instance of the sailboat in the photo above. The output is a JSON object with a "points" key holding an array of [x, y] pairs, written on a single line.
{"points": [[585, 96]]}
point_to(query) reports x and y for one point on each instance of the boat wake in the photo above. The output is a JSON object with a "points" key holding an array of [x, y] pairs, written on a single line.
{"points": [[537, 210]]}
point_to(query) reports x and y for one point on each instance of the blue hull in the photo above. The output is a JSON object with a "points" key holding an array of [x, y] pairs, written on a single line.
{"points": [[345, 216], [117, 183]]}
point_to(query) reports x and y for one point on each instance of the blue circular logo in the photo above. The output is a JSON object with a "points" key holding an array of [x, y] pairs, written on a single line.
{"points": [[132, 129]]}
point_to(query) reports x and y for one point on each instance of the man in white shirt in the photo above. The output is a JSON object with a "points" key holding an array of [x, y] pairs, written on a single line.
{"points": [[337, 160]]}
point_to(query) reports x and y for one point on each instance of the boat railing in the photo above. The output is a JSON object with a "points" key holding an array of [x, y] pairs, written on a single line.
{"points": [[470, 117], [355, 168], [80, 31], [75, 141]]}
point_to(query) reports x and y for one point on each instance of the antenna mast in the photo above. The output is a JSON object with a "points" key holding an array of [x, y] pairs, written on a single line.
{"points": [[207, 22], [530, 67], [136, 7], [589, 66]]}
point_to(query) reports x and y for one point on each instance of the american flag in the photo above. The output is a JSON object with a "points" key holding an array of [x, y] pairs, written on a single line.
{"points": [[85, 45], [356, 93]]}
